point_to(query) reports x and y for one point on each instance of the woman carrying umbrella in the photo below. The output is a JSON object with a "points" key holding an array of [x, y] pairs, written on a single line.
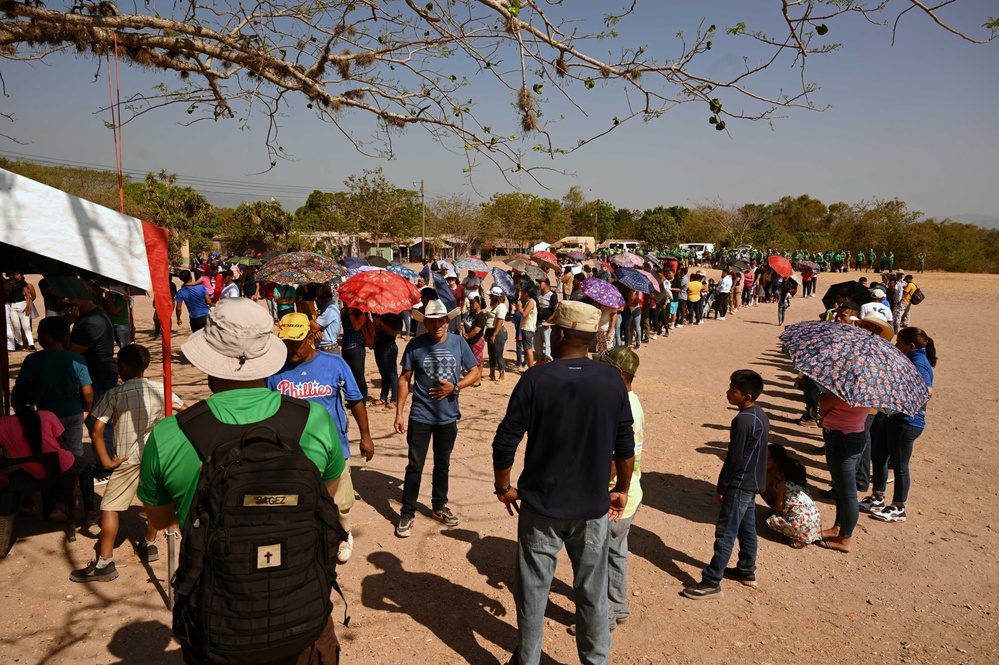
{"points": [[902, 432], [387, 329], [496, 332]]}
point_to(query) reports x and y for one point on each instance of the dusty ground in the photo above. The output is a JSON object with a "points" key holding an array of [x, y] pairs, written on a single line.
{"points": [[924, 591]]}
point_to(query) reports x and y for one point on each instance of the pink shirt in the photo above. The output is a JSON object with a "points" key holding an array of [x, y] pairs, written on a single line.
{"points": [[12, 440], [846, 419]]}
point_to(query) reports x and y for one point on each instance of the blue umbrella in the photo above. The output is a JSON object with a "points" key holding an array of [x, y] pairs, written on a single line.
{"points": [[858, 366], [402, 270], [437, 281], [504, 282], [633, 279], [353, 262]]}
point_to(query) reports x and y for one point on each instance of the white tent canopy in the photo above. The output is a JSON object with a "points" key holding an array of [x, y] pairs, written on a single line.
{"points": [[48, 222]]}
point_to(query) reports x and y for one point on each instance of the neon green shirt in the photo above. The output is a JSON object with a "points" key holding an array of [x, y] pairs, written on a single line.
{"points": [[635, 489], [171, 466]]}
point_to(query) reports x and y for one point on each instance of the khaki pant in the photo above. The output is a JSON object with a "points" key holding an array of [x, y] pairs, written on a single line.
{"points": [[344, 497]]}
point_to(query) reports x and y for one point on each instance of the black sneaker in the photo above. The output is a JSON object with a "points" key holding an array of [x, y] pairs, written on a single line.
{"points": [[445, 516], [892, 513], [872, 504], [746, 580], [702, 590], [94, 574], [149, 553]]}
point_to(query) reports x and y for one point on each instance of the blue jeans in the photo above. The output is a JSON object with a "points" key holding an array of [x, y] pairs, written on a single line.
{"points": [[736, 519], [539, 540], [843, 453], [617, 570], [895, 446]]}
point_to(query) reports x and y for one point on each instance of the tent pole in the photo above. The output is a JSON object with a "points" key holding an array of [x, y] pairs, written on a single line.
{"points": [[5, 358]]}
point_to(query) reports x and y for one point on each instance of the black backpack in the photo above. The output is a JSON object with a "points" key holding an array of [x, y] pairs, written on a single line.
{"points": [[258, 554]]}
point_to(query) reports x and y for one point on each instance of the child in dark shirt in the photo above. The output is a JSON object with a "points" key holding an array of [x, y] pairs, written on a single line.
{"points": [[743, 476]]}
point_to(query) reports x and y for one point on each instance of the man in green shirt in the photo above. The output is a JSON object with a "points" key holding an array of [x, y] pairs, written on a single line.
{"points": [[238, 350]]}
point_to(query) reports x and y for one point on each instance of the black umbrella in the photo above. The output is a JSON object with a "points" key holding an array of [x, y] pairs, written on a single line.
{"points": [[740, 264], [653, 260], [378, 261], [857, 293]]}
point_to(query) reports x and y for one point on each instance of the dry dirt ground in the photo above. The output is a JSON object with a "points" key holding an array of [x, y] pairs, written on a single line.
{"points": [[919, 592]]}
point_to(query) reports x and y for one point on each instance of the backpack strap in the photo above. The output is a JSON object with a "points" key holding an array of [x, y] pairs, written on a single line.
{"points": [[206, 433]]}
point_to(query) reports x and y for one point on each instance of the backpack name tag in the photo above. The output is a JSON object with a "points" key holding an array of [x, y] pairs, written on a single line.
{"points": [[270, 500], [269, 556]]}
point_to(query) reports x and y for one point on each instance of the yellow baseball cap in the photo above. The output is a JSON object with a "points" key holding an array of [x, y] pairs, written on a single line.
{"points": [[294, 327]]}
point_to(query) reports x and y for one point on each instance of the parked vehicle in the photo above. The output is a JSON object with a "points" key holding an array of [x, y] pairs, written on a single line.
{"points": [[700, 249]]}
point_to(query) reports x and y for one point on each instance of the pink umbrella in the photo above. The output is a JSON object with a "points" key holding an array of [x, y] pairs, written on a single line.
{"points": [[627, 260]]}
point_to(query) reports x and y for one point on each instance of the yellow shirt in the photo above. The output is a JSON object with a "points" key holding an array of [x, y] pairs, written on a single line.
{"points": [[635, 489], [907, 292], [694, 291]]}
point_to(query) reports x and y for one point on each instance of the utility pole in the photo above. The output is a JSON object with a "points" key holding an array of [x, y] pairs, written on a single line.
{"points": [[423, 218]]}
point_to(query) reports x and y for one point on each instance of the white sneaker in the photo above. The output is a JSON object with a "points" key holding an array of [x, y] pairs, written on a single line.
{"points": [[721, 318], [346, 549]]}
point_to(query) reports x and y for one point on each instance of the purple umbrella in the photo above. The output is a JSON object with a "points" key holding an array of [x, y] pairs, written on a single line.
{"points": [[633, 279], [602, 292], [857, 366], [577, 256], [504, 282]]}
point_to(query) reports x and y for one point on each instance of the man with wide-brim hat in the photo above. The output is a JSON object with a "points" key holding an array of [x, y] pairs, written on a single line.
{"points": [[433, 363], [237, 349], [578, 420]]}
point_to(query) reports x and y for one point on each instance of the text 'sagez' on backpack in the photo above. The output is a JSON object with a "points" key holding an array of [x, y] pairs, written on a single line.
{"points": [[258, 554]]}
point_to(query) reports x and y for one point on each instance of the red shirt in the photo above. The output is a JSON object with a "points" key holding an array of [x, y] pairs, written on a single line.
{"points": [[12, 440]]}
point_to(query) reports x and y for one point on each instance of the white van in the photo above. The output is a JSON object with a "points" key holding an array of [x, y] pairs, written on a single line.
{"points": [[699, 248], [616, 246]]}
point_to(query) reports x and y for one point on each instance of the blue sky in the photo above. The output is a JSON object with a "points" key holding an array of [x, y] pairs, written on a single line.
{"points": [[915, 121]]}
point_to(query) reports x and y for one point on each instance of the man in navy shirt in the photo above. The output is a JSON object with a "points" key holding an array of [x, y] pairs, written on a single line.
{"points": [[433, 362], [577, 417]]}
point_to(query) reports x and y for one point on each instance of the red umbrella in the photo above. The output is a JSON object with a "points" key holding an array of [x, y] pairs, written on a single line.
{"points": [[781, 265], [379, 292], [546, 260]]}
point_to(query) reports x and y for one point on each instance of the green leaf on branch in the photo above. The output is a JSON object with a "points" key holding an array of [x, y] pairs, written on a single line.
{"points": [[588, 83]]}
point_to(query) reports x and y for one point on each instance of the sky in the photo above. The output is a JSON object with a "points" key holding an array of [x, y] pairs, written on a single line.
{"points": [[914, 120]]}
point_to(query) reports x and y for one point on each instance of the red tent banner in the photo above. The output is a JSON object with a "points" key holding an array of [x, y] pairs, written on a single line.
{"points": [[157, 255]]}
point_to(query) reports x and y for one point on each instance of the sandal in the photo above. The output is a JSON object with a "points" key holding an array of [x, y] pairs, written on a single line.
{"points": [[378, 402], [828, 545]]}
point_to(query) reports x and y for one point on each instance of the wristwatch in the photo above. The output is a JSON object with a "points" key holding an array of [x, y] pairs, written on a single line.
{"points": [[456, 390]]}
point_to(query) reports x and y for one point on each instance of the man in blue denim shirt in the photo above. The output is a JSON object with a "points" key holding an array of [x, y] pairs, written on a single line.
{"points": [[577, 417], [743, 476]]}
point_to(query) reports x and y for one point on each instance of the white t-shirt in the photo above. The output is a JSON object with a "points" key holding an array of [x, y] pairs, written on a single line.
{"points": [[725, 285], [497, 313], [878, 308], [230, 291]]}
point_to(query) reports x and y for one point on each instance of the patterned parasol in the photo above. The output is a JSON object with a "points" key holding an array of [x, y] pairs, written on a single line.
{"points": [[299, 268], [403, 271], [472, 263], [633, 279], [518, 264], [379, 292], [652, 280], [602, 292], [627, 260], [546, 260], [536, 273], [504, 281], [857, 366]]}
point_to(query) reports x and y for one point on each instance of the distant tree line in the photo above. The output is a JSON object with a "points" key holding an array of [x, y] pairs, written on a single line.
{"points": [[370, 203]]}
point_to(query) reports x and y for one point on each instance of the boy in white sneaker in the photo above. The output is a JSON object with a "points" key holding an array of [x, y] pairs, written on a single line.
{"points": [[135, 406]]}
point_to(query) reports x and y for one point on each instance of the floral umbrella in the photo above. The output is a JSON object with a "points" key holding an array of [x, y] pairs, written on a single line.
{"points": [[602, 292], [546, 260], [299, 268], [857, 366], [504, 281], [535, 273], [781, 265], [379, 292], [403, 271], [576, 256], [472, 263], [627, 260]]}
